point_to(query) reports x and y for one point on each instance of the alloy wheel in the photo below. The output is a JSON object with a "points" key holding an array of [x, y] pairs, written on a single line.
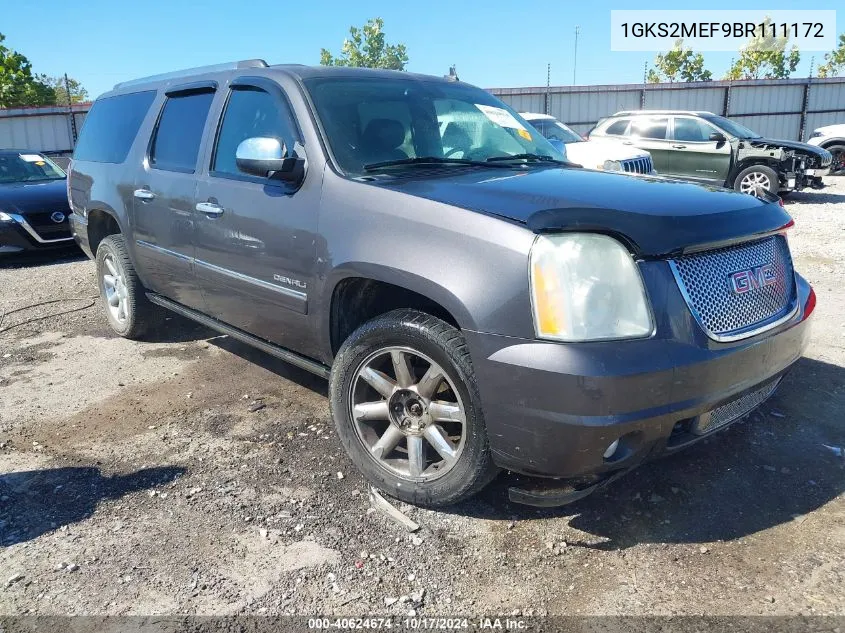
{"points": [[115, 289], [755, 183], [408, 413]]}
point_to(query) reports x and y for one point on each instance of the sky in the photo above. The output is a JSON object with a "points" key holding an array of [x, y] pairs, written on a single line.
{"points": [[493, 43]]}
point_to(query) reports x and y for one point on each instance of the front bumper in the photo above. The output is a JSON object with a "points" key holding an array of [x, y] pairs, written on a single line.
{"points": [[552, 410], [18, 237]]}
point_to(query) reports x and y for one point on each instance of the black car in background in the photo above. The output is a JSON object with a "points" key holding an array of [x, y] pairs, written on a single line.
{"points": [[33, 203]]}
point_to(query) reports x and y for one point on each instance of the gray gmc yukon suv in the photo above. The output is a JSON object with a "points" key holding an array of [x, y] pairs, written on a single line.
{"points": [[476, 302]]}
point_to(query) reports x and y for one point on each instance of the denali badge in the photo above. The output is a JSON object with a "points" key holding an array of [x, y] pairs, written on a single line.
{"points": [[57, 217], [290, 282], [742, 281]]}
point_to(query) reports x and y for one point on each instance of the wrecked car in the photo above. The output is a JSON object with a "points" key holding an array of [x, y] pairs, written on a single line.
{"points": [[476, 302], [710, 149]]}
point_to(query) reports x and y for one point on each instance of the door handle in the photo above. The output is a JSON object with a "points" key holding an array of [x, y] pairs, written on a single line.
{"points": [[679, 146], [143, 194], [209, 208], [627, 142]]}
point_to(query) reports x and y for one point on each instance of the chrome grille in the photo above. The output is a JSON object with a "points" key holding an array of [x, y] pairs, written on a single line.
{"points": [[733, 410], [705, 280], [637, 165]]}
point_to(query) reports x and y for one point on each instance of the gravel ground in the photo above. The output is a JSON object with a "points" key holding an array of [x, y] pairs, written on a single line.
{"points": [[147, 478]]}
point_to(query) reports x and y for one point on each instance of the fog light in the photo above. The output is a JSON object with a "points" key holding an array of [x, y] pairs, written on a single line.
{"points": [[608, 453]]}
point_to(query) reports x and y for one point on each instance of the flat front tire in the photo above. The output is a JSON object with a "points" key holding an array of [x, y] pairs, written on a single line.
{"points": [[407, 410], [129, 312]]}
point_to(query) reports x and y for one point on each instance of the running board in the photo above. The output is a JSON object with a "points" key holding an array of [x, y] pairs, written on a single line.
{"points": [[265, 346]]}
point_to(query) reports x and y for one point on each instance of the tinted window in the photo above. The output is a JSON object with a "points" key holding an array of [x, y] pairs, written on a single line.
{"points": [[111, 126], [618, 127], [250, 112], [692, 130], [179, 133], [650, 128], [369, 121]]}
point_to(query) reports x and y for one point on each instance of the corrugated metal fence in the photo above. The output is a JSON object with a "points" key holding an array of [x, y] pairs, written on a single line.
{"points": [[777, 108], [51, 130]]}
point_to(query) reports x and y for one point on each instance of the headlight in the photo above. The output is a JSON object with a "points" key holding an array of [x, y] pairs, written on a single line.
{"points": [[5, 217], [815, 134], [586, 287], [611, 165]]}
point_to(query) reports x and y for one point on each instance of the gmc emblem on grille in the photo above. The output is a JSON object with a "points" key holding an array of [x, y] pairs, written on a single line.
{"points": [[743, 281]]}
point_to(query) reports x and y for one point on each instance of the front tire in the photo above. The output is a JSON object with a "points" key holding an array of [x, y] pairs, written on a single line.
{"points": [[129, 312], [407, 410], [756, 179], [837, 167]]}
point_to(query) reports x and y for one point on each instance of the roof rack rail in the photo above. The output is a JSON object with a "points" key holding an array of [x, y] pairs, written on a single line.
{"points": [[187, 72]]}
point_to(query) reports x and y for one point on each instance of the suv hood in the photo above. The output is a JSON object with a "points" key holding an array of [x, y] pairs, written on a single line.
{"points": [[794, 145], [653, 216], [34, 197]]}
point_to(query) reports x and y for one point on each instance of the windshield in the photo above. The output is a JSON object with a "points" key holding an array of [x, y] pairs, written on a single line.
{"points": [[368, 121], [15, 167], [555, 130], [732, 128]]}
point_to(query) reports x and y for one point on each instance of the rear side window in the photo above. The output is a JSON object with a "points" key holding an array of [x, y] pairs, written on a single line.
{"points": [[250, 112], [178, 135], [111, 126], [617, 127], [650, 128]]}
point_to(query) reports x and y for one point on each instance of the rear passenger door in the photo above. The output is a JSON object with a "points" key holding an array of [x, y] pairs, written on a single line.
{"points": [[651, 133], [255, 249], [163, 205]]}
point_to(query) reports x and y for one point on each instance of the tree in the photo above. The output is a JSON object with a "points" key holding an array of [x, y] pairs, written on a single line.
{"points": [[18, 86], [834, 60], [764, 56], [78, 93], [679, 64], [366, 48]]}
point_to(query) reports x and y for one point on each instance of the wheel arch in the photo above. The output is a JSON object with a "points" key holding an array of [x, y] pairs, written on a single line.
{"points": [[771, 163], [362, 292], [102, 222]]}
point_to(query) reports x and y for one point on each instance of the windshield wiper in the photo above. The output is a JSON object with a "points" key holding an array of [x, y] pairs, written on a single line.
{"points": [[424, 160], [537, 157]]}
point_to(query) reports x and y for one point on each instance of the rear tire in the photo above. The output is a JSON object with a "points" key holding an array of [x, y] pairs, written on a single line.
{"points": [[129, 312], [420, 435], [754, 179]]}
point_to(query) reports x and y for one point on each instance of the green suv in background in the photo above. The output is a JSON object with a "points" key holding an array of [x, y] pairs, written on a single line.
{"points": [[707, 148]]}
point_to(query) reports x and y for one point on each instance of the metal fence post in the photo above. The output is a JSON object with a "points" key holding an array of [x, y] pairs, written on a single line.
{"points": [[804, 104]]}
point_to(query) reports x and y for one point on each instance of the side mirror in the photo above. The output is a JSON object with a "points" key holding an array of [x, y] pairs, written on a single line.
{"points": [[265, 157], [718, 137]]}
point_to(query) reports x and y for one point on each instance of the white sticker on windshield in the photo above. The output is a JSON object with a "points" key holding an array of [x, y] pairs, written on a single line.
{"points": [[32, 158], [500, 117]]}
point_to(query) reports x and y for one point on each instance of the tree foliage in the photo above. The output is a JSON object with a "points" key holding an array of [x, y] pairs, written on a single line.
{"points": [[78, 93], [366, 47], [679, 64], [834, 61], [764, 56], [18, 85]]}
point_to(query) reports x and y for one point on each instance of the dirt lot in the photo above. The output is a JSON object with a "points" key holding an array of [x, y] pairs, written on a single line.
{"points": [[144, 478]]}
